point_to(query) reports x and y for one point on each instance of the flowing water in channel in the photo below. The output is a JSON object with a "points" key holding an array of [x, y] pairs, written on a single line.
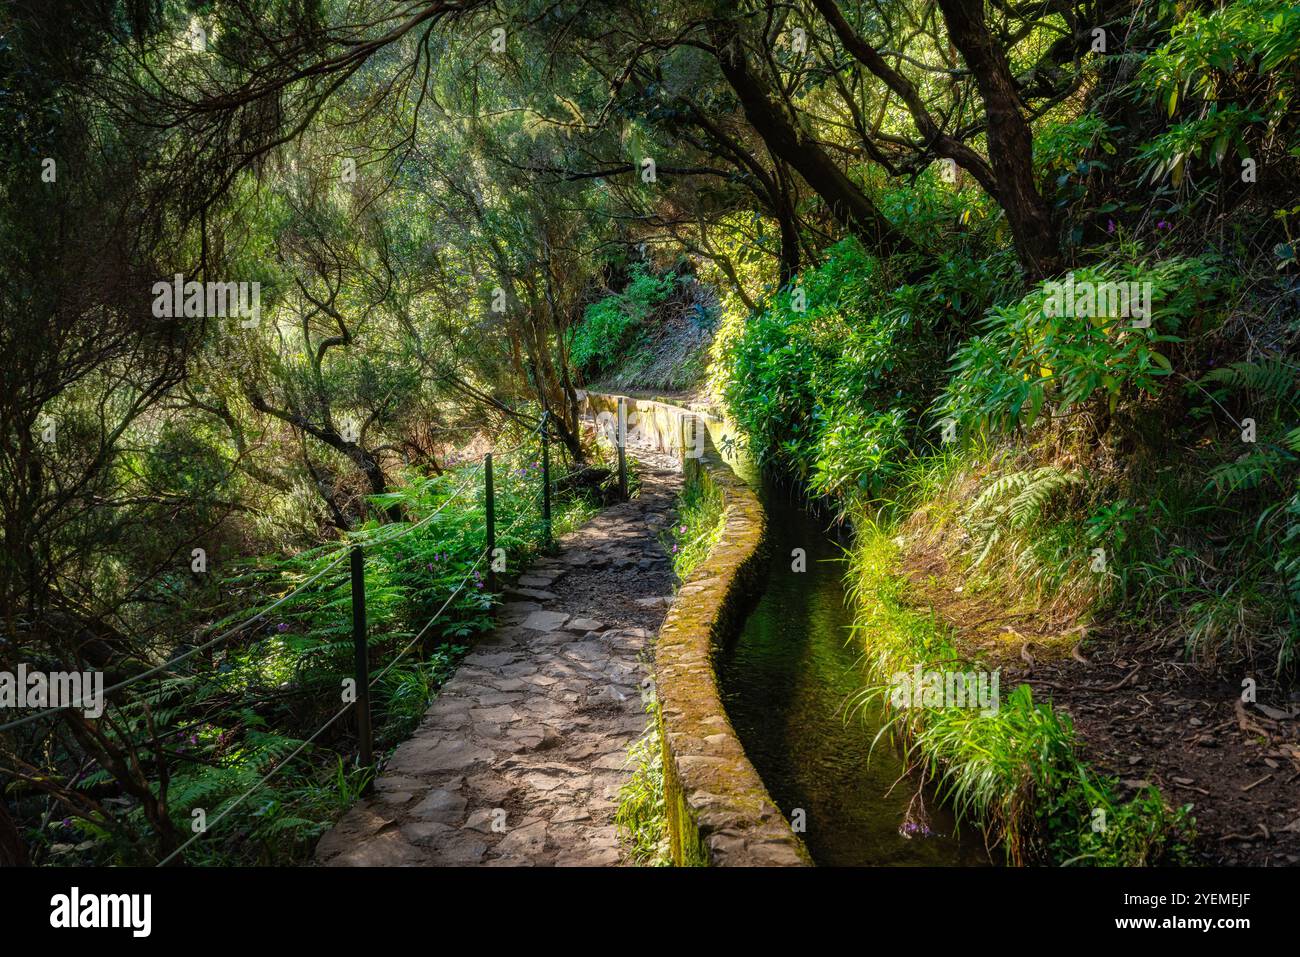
{"points": [[787, 680]]}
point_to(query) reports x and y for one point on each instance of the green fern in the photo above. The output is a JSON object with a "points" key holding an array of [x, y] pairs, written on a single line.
{"points": [[1271, 377], [1014, 501], [1029, 493], [1252, 470]]}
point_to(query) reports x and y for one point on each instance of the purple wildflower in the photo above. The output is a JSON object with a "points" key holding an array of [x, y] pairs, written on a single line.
{"points": [[1110, 226], [282, 627]]}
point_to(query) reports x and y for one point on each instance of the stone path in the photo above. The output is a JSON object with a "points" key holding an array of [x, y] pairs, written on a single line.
{"points": [[520, 758]]}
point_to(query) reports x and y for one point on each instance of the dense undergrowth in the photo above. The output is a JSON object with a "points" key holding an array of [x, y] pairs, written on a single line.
{"points": [[653, 334], [1119, 457], [1017, 772], [251, 706]]}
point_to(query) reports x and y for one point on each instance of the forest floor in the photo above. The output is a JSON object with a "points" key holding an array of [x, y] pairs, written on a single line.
{"points": [[1145, 717], [520, 758]]}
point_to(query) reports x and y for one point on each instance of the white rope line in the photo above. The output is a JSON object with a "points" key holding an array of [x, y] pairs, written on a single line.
{"points": [[384, 540], [185, 656], [269, 774], [459, 588], [181, 657], [301, 747]]}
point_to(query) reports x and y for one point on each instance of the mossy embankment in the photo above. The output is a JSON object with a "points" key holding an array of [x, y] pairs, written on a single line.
{"points": [[1016, 770]]}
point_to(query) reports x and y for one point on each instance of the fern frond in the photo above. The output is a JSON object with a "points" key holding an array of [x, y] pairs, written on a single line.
{"points": [[1043, 484], [1270, 377]]}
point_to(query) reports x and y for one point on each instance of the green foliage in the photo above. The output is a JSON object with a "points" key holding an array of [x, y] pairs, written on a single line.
{"points": [[1059, 144], [1009, 522], [1016, 772], [1232, 71], [1274, 378], [830, 379], [788, 355], [858, 454], [1287, 567], [1210, 137], [701, 510], [1082, 821], [642, 818], [1206, 49], [1269, 387], [429, 566], [609, 326], [1029, 360], [1019, 497], [1070, 154]]}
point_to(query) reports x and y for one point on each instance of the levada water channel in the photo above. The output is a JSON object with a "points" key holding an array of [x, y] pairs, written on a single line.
{"points": [[790, 681]]}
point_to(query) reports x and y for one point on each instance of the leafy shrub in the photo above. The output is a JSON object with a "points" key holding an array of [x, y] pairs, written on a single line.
{"points": [[1206, 49], [1234, 70], [1084, 822], [829, 381], [1069, 153], [1028, 360], [856, 453], [609, 326]]}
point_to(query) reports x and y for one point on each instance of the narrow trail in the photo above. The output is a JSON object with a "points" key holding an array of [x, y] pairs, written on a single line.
{"points": [[519, 759]]}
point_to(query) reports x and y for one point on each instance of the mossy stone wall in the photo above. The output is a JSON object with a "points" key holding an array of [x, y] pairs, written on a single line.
{"points": [[719, 811]]}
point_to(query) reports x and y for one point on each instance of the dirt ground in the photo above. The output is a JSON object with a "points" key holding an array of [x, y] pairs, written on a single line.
{"points": [[1145, 716]]}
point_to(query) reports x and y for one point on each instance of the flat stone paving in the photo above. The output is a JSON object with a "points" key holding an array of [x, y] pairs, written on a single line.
{"points": [[520, 758]]}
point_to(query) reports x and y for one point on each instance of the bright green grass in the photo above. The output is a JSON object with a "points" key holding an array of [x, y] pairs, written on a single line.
{"points": [[1017, 772], [698, 528]]}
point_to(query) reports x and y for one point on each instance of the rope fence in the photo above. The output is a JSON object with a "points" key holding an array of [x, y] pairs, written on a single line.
{"points": [[355, 551]]}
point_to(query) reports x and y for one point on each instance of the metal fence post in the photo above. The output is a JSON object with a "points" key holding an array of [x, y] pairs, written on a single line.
{"points": [[546, 481], [621, 434], [491, 510], [362, 656]]}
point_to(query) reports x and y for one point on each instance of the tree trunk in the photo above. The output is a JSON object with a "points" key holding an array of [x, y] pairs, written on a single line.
{"points": [[790, 259], [13, 853], [376, 478], [850, 206], [935, 138], [1011, 143]]}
